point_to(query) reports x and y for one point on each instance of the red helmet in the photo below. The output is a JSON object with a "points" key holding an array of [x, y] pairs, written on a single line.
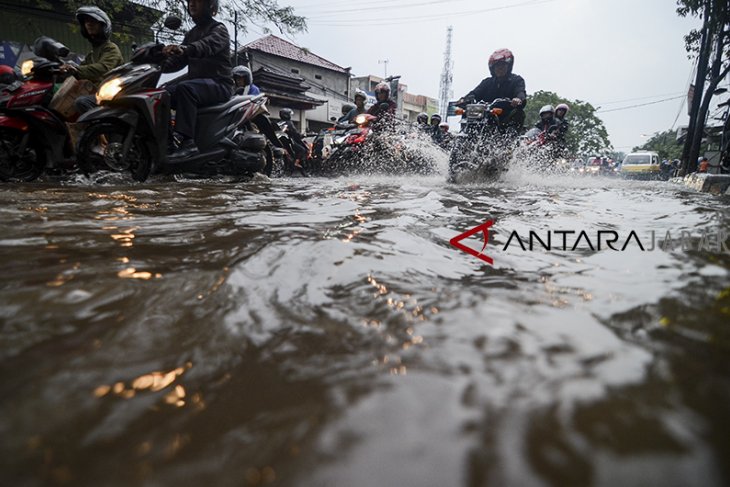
{"points": [[7, 74], [382, 87], [501, 56]]}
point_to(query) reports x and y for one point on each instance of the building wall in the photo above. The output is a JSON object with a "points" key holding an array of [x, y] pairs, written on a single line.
{"points": [[22, 25], [327, 85]]}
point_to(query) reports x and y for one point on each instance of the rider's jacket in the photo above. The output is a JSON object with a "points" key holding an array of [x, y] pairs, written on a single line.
{"points": [[510, 86], [207, 53]]}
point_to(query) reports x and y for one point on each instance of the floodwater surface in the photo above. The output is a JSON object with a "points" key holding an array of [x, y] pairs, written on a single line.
{"points": [[324, 332]]}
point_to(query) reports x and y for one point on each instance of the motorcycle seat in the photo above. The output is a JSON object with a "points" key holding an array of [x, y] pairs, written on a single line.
{"points": [[221, 107]]}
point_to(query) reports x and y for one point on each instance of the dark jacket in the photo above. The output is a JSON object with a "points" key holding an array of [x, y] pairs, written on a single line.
{"points": [[563, 127], [548, 126], [293, 133], [386, 115], [207, 53], [104, 57], [511, 86]]}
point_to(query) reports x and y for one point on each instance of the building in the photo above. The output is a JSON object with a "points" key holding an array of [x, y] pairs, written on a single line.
{"points": [[25, 21], [294, 77]]}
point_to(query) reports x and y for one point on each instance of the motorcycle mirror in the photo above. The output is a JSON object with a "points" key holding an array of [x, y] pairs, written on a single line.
{"points": [[172, 22], [384, 106], [333, 119], [48, 48]]}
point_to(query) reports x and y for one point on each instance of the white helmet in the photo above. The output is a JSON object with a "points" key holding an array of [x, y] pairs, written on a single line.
{"points": [[361, 94], [547, 109]]}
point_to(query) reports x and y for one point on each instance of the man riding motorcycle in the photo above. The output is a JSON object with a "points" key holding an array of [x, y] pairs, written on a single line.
{"points": [[105, 55], [243, 78], [298, 146], [502, 84], [206, 51], [548, 124], [384, 107]]}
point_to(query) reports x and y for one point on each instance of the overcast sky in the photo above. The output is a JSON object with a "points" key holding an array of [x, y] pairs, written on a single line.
{"points": [[601, 51]]}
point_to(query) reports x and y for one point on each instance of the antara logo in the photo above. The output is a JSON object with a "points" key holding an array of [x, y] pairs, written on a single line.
{"points": [[484, 228]]}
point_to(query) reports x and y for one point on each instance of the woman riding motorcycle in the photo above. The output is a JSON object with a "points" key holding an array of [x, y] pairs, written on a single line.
{"points": [[243, 79]]}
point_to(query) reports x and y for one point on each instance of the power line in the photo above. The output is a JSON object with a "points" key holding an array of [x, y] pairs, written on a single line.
{"points": [[418, 18], [639, 98], [369, 8], [639, 105]]}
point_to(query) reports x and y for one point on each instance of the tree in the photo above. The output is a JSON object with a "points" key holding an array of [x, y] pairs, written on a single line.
{"points": [[587, 134], [713, 40], [260, 13], [663, 143]]}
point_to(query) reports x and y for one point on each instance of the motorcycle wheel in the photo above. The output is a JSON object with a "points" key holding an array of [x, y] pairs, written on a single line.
{"points": [[19, 167], [100, 148]]}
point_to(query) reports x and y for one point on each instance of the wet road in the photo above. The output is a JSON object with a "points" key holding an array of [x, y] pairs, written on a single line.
{"points": [[323, 332]]}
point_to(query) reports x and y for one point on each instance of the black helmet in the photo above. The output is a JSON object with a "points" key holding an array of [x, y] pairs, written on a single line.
{"points": [[346, 108], [242, 72], [286, 113], [97, 14], [422, 118], [213, 7], [435, 118]]}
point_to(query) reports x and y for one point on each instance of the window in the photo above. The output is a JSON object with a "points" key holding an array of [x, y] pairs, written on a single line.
{"points": [[317, 76], [295, 70]]}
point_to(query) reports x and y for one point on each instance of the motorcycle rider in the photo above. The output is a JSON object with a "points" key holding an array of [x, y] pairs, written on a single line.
{"points": [[243, 79], [206, 51], [560, 112], [360, 98], [502, 84], [384, 107], [298, 147], [346, 109], [435, 122], [422, 122], [105, 55], [547, 124], [444, 137]]}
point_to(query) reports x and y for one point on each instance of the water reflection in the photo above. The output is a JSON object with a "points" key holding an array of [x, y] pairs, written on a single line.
{"points": [[338, 339]]}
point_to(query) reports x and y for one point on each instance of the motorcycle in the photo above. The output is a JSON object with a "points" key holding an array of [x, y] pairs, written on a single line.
{"points": [[482, 147], [32, 136], [131, 130]]}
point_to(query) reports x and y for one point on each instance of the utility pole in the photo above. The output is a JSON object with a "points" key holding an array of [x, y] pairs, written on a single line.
{"points": [[699, 88], [385, 62], [235, 38], [447, 76]]}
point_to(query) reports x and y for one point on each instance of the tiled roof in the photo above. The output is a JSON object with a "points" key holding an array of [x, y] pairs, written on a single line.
{"points": [[279, 47]]}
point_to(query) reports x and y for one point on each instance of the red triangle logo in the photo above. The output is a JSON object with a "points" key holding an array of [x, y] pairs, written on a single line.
{"points": [[484, 228]]}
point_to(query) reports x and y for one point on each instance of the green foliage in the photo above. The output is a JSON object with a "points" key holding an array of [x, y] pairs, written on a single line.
{"points": [[587, 134], [261, 13], [663, 143]]}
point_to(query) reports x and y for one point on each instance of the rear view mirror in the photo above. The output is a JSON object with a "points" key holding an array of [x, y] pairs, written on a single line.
{"points": [[172, 22]]}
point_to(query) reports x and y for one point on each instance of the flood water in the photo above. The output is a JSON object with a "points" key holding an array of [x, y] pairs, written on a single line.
{"points": [[323, 332]]}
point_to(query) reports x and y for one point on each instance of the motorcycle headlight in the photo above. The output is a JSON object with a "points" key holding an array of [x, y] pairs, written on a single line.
{"points": [[360, 119], [109, 90], [26, 67]]}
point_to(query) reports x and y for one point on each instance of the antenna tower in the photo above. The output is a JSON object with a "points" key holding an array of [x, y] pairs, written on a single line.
{"points": [[447, 76]]}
